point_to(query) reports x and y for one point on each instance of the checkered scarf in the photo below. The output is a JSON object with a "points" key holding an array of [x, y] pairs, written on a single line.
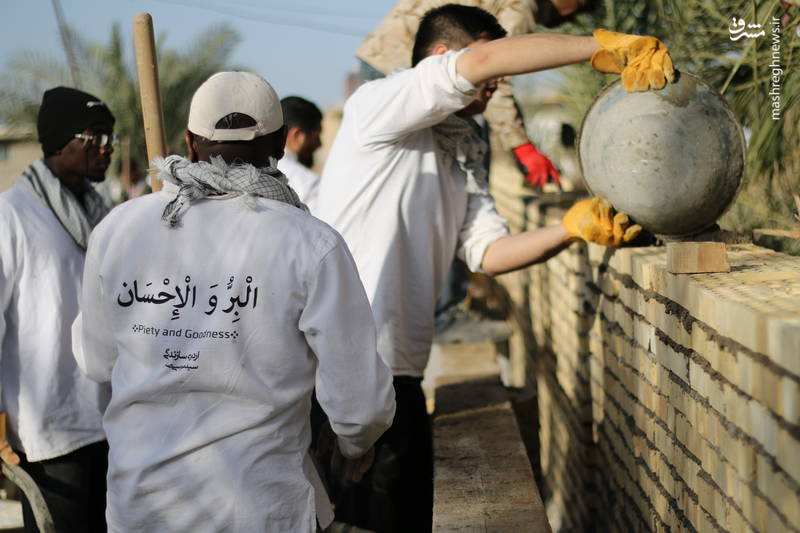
{"points": [[460, 137], [203, 179], [78, 217]]}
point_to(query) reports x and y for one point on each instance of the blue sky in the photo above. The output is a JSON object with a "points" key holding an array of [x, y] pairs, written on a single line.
{"points": [[302, 47]]}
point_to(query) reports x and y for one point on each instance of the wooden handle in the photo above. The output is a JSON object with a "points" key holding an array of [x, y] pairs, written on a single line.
{"points": [[23, 480], [147, 70]]}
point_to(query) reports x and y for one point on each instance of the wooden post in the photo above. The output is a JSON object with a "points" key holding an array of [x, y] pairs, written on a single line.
{"points": [[147, 70]]}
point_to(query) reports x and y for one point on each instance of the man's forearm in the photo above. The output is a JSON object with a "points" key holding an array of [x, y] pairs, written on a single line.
{"points": [[519, 251], [522, 54]]}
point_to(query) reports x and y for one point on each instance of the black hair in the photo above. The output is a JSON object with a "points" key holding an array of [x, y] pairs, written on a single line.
{"points": [[234, 121], [299, 112], [455, 26]]}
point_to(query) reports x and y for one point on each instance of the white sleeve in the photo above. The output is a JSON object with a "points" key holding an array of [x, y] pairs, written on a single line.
{"points": [[482, 226], [354, 386], [8, 270], [92, 332], [410, 100]]}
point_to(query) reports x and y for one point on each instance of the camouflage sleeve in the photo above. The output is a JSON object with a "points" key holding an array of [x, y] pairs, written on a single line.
{"points": [[503, 114], [516, 16], [505, 119], [389, 45]]}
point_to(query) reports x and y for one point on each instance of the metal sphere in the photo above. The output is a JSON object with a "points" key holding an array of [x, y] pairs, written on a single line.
{"points": [[672, 159]]}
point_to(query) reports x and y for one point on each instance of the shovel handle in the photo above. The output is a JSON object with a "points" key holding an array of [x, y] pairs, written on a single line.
{"points": [[25, 482], [20, 478], [149, 93]]}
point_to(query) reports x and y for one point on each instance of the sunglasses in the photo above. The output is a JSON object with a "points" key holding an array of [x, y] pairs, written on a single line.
{"points": [[100, 140]]}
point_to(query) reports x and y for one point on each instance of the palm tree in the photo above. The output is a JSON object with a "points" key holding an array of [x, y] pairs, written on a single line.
{"points": [[697, 34], [107, 71]]}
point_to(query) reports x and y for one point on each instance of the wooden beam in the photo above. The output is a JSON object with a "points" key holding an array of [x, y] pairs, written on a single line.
{"points": [[697, 257], [777, 233]]}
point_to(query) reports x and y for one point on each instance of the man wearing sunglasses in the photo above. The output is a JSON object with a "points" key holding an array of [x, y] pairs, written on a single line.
{"points": [[54, 412]]}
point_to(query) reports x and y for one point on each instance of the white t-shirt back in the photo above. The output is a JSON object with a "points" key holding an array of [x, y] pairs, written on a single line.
{"points": [[213, 335]]}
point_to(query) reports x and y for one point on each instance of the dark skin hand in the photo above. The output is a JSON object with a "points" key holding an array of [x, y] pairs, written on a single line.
{"points": [[78, 160]]}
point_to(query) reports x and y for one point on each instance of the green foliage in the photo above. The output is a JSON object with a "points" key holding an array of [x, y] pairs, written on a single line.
{"points": [[696, 32], [107, 70]]}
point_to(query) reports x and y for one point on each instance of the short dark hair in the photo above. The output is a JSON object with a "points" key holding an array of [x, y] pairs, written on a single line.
{"points": [[455, 26], [299, 112]]}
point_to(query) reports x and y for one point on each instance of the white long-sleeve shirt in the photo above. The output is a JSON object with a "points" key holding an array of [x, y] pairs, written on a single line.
{"points": [[401, 204], [52, 408], [303, 180], [213, 335]]}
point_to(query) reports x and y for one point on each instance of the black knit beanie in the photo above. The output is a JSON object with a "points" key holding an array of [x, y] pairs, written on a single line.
{"points": [[65, 112]]}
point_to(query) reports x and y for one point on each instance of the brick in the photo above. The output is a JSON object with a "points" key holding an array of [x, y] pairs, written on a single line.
{"points": [[742, 305], [784, 342], [645, 335], [767, 387], [744, 460], [788, 455], [728, 364], [703, 345], [676, 362], [790, 400]]}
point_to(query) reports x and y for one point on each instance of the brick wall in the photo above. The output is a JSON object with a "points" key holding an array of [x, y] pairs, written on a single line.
{"points": [[665, 403]]}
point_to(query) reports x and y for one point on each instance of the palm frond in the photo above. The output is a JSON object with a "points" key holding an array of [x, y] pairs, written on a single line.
{"points": [[106, 70]]}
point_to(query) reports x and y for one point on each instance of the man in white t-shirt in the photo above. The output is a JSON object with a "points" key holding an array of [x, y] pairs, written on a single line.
{"points": [[405, 184], [214, 308], [54, 412], [303, 122]]}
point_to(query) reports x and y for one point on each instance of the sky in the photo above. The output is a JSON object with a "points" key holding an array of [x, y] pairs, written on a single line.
{"points": [[303, 47]]}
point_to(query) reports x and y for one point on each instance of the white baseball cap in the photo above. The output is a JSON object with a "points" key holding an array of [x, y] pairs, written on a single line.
{"points": [[234, 92]]}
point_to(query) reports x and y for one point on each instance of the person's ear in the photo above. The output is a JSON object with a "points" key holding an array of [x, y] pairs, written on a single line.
{"points": [[293, 138], [439, 49], [191, 148]]}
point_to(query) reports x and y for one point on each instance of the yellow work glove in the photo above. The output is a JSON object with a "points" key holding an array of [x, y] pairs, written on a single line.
{"points": [[643, 61], [593, 220]]}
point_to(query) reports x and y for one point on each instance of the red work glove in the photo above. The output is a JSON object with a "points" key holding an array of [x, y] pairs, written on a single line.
{"points": [[536, 164]]}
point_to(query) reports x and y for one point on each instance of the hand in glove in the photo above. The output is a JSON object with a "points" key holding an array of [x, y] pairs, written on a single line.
{"points": [[538, 167], [593, 220], [643, 61]]}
